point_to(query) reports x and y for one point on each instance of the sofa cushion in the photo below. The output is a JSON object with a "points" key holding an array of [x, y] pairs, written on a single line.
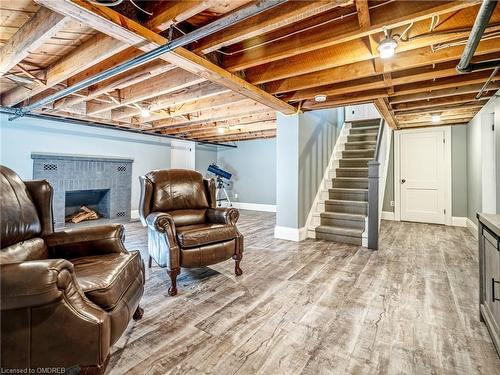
{"points": [[105, 278], [203, 234]]}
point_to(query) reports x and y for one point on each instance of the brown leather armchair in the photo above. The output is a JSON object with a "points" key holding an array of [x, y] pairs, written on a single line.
{"points": [[185, 229], [66, 297]]}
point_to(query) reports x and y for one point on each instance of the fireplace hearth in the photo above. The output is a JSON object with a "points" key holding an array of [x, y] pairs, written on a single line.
{"points": [[99, 182]]}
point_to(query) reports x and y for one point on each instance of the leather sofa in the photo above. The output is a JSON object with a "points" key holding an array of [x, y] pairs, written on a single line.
{"points": [[185, 229], [67, 296]]}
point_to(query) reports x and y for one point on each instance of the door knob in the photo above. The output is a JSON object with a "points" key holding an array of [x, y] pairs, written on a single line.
{"points": [[403, 181]]}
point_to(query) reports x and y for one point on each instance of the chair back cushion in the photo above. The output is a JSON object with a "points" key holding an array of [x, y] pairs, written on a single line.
{"points": [[177, 189], [19, 218]]}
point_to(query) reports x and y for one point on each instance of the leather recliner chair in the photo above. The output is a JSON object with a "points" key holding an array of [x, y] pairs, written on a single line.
{"points": [[67, 296], [185, 229]]}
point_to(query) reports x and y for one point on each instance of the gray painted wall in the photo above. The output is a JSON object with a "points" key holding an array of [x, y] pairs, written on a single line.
{"points": [[253, 166], [459, 170], [318, 132], [204, 156], [18, 139], [477, 182], [303, 148], [287, 171], [458, 173]]}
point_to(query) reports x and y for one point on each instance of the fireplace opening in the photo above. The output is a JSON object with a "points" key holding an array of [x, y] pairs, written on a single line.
{"points": [[97, 200]]}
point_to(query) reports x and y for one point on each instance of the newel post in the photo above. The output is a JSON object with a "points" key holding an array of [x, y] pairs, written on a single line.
{"points": [[373, 184]]}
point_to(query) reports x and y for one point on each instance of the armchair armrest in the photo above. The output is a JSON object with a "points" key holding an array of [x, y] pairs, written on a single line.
{"points": [[79, 242], [223, 215], [162, 238], [34, 283], [42, 296]]}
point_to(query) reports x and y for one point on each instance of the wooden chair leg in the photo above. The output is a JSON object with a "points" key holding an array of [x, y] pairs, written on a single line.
{"points": [[150, 261], [237, 260], [172, 291], [139, 312]]}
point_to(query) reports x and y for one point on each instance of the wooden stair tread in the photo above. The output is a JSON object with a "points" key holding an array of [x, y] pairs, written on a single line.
{"points": [[340, 231], [343, 216]]}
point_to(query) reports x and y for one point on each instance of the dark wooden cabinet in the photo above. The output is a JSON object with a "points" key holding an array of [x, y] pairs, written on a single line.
{"points": [[489, 274]]}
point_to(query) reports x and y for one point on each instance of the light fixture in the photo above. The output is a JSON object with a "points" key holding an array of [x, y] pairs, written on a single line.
{"points": [[145, 112], [320, 98], [436, 117], [387, 47], [221, 130]]}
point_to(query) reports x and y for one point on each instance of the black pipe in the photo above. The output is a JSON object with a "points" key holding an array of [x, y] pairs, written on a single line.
{"points": [[482, 19], [102, 125]]}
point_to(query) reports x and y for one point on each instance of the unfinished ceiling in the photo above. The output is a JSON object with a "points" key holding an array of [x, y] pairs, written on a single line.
{"points": [[228, 86]]}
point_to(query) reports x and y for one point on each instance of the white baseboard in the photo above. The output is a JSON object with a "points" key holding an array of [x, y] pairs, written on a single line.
{"points": [[472, 227], [387, 215], [458, 221], [255, 206], [134, 214], [291, 234]]}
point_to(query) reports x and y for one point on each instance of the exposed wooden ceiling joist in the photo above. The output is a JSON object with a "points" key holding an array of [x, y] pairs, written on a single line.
{"points": [[39, 28], [291, 12], [119, 27], [347, 28]]}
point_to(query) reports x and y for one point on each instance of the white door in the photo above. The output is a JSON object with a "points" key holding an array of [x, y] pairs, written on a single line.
{"points": [[182, 155], [423, 171]]}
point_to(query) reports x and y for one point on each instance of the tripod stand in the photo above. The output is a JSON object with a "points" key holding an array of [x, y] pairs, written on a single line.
{"points": [[225, 196]]}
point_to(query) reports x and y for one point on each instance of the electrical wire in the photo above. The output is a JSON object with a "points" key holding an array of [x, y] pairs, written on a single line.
{"points": [[341, 17]]}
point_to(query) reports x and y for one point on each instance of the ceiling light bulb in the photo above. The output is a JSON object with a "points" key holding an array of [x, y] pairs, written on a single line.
{"points": [[145, 112], [436, 118], [320, 98], [387, 47], [221, 130]]}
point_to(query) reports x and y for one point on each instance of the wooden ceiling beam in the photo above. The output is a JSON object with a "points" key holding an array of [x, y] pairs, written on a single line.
{"points": [[458, 121], [118, 82], [164, 83], [119, 27], [42, 26], [423, 58], [288, 13], [247, 137], [407, 84], [458, 90], [175, 99], [449, 116], [355, 50], [393, 15], [93, 51], [173, 12], [440, 102], [443, 83], [236, 121], [227, 111], [385, 110], [345, 99], [203, 104], [214, 133], [473, 106]]}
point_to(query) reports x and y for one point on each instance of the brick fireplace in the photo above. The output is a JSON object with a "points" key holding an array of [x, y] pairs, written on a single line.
{"points": [[102, 183]]}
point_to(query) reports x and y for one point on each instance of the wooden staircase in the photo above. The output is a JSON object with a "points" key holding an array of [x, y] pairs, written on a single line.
{"points": [[346, 208]]}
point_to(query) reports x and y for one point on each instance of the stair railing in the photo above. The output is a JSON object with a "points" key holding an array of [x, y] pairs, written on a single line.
{"points": [[373, 192]]}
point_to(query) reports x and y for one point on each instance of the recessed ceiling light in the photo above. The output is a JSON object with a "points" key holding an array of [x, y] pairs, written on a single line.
{"points": [[436, 118], [320, 98], [221, 130], [387, 47], [145, 112]]}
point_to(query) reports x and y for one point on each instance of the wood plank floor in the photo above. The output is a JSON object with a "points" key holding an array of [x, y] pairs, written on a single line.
{"points": [[316, 307]]}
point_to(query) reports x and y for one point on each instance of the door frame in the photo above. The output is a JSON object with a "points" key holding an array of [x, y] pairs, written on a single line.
{"points": [[447, 166]]}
